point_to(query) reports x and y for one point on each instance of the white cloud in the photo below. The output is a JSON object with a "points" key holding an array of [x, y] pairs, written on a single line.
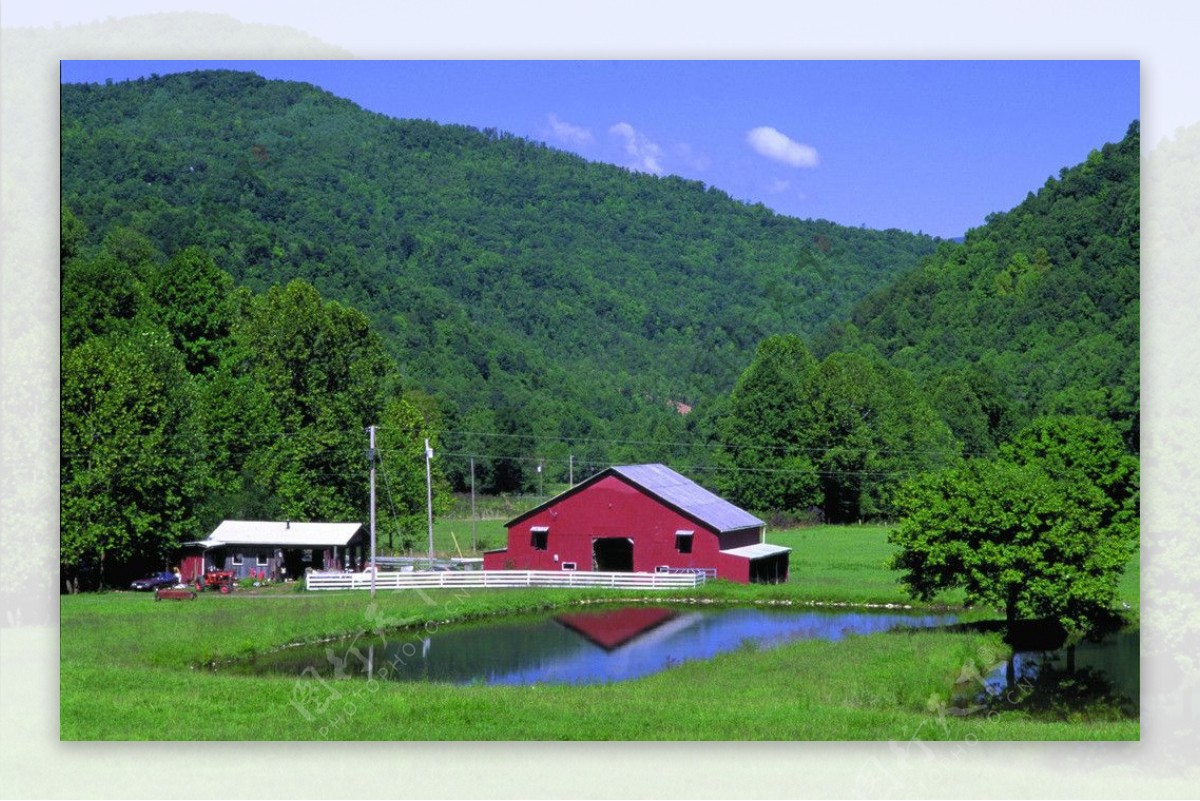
{"points": [[569, 134], [779, 185], [769, 142], [646, 154]]}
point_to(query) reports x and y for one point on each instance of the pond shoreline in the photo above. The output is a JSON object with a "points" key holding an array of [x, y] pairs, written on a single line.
{"points": [[416, 623], [584, 643]]}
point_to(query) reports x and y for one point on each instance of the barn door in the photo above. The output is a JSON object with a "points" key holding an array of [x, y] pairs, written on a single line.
{"points": [[612, 554]]}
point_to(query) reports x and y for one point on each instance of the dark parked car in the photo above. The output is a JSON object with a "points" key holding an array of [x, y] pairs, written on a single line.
{"points": [[154, 581]]}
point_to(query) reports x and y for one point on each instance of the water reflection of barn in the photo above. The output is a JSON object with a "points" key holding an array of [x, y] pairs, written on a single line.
{"points": [[613, 628], [641, 518]]}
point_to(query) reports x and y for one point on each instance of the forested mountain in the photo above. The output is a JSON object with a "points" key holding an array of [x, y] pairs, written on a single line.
{"points": [[255, 271], [1036, 313], [533, 294]]}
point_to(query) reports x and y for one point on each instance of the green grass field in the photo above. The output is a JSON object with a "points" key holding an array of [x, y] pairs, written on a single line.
{"points": [[133, 669]]}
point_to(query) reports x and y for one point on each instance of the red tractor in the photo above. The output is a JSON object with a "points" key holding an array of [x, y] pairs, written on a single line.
{"points": [[221, 580]]}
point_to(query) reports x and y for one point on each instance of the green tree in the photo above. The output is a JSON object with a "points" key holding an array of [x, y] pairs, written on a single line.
{"points": [[400, 442], [101, 295], [72, 233], [242, 439], [1089, 458], [875, 428], [766, 434], [838, 435], [130, 472], [326, 375], [192, 298], [1042, 532], [976, 408], [512, 469]]}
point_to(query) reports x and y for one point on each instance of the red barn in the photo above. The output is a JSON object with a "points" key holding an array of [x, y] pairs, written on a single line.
{"points": [[641, 518]]}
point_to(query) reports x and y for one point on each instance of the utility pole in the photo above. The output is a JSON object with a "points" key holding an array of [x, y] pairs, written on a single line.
{"points": [[429, 497], [371, 455], [571, 471], [540, 492], [474, 544]]}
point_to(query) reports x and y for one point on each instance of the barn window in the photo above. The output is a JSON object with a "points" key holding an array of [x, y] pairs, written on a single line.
{"points": [[683, 541], [538, 537], [568, 565], [237, 560], [261, 560]]}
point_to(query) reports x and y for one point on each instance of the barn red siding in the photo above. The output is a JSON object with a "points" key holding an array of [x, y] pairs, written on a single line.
{"points": [[613, 508]]}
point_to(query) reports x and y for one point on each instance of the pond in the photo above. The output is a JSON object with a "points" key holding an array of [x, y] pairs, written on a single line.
{"points": [[577, 647], [1100, 677]]}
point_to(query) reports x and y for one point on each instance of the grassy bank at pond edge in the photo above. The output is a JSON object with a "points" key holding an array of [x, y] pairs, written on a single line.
{"points": [[132, 669]]}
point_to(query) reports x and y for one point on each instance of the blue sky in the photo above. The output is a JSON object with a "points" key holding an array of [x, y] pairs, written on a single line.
{"points": [[931, 146]]}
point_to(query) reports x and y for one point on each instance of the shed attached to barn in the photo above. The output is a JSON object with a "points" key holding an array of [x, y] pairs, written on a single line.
{"points": [[276, 549], [641, 518]]}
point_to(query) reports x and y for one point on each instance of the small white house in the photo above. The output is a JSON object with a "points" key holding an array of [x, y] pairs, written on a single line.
{"points": [[276, 549]]}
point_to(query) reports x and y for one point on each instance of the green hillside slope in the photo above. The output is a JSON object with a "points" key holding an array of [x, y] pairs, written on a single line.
{"points": [[1037, 312], [533, 293]]}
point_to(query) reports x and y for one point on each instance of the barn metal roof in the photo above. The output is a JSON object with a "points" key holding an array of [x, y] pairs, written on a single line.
{"points": [[756, 551], [671, 488], [688, 497], [279, 532]]}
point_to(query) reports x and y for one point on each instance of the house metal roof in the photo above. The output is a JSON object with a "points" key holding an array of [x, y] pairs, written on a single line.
{"points": [[688, 497], [278, 532]]}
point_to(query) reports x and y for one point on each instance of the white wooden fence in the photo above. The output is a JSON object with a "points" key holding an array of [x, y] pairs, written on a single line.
{"points": [[501, 578]]}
